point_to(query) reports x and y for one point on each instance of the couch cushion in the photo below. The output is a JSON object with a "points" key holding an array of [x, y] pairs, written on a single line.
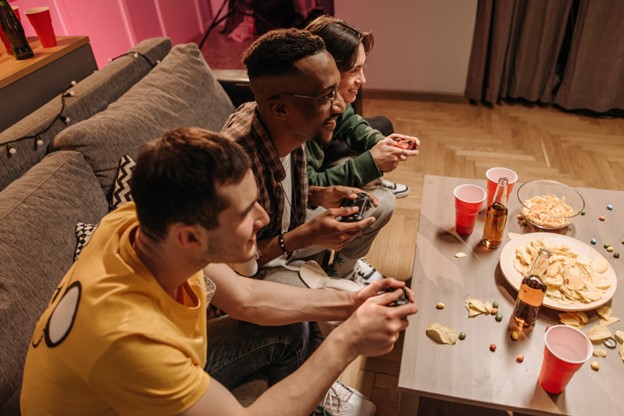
{"points": [[180, 92], [93, 94], [38, 216]]}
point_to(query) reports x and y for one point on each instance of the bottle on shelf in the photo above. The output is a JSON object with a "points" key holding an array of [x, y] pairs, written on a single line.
{"points": [[532, 291], [14, 31], [496, 216]]}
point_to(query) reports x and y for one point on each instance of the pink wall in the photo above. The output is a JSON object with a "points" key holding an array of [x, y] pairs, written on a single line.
{"points": [[115, 26]]}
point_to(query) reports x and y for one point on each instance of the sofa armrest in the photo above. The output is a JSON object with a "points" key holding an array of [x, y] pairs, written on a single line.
{"points": [[235, 82]]}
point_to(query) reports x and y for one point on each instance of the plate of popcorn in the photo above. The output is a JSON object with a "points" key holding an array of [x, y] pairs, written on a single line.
{"points": [[579, 278], [548, 204]]}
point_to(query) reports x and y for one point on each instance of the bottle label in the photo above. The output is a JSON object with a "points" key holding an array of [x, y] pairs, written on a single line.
{"points": [[530, 296]]}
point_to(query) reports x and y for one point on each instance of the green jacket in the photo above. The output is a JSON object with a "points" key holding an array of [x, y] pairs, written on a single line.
{"points": [[353, 130]]}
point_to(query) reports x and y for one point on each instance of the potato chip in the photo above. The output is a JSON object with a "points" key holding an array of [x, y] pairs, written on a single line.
{"points": [[441, 334], [622, 352], [599, 264], [604, 311], [598, 332], [619, 336], [575, 319], [477, 307], [599, 352], [610, 320]]}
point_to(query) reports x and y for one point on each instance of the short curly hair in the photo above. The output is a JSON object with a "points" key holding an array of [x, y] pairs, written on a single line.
{"points": [[341, 40], [276, 52]]}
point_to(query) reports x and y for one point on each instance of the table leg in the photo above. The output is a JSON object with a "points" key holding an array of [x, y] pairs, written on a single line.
{"points": [[408, 404]]}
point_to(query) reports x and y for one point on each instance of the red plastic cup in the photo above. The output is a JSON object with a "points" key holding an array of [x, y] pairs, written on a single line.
{"points": [[5, 40], [565, 351], [468, 201], [41, 21], [493, 175]]}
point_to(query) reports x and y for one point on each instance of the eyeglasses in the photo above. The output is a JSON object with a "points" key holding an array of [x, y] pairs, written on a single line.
{"points": [[321, 99]]}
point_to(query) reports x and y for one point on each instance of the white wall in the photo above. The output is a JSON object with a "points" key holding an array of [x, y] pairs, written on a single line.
{"points": [[421, 46]]}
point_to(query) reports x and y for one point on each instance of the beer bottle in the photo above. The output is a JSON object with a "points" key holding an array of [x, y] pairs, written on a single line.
{"points": [[532, 291], [496, 216], [13, 29]]}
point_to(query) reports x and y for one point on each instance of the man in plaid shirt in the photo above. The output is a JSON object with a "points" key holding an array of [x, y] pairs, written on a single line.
{"points": [[295, 82]]}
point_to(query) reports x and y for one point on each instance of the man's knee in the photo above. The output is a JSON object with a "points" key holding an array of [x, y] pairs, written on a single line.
{"points": [[383, 212]]}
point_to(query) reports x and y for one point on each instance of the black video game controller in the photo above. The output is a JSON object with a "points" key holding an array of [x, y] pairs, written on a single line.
{"points": [[362, 201], [402, 300]]}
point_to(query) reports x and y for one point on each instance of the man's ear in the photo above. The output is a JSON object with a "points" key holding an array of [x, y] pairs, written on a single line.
{"points": [[278, 108], [188, 235]]}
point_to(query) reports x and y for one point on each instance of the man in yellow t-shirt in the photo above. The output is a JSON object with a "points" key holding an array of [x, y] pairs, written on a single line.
{"points": [[125, 331]]}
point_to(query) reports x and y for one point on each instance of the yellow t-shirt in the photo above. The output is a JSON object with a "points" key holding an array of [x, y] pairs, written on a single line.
{"points": [[111, 341]]}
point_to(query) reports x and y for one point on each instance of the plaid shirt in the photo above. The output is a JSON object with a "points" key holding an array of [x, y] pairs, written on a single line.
{"points": [[246, 128]]}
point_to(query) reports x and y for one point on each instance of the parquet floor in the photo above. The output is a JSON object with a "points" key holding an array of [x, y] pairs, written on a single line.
{"points": [[463, 140]]}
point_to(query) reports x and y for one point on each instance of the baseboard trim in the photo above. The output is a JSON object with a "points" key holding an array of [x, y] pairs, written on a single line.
{"points": [[414, 96]]}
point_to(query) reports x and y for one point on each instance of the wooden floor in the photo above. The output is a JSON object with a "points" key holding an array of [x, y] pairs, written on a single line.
{"points": [[463, 140]]}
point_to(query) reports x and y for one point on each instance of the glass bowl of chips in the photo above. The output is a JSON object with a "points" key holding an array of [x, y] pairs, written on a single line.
{"points": [[548, 204]]}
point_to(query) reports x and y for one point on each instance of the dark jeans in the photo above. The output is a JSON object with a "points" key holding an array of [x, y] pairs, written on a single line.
{"points": [[238, 349]]}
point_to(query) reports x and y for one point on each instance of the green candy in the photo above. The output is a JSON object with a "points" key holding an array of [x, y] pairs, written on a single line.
{"points": [[499, 317], [495, 304], [462, 335]]}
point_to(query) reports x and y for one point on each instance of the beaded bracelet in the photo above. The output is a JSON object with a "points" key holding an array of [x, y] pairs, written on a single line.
{"points": [[280, 240]]}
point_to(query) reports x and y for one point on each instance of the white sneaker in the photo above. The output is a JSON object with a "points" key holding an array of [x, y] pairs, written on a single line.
{"points": [[364, 273], [398, 189], [342, 400]]}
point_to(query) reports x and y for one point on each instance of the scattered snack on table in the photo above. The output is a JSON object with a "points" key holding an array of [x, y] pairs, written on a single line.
{"points": [[477, 307], [439, 305], [609, 321], [441, 334], [519, 358], [515, 335], [548, 211], [604, 312], [595, 366], [460, 254], [498, 317], [570, 278], [619, 336], [575, 319], [599, 352], [622, 352], [598, 332], [492, 347], [462, 336]]}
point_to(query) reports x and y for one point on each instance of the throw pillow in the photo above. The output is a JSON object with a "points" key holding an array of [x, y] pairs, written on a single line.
{"points": [[180, 91], [83, 234], [121, 186]]}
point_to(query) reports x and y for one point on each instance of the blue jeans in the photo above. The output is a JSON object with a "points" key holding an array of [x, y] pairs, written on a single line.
{"points": [[239, 349]]}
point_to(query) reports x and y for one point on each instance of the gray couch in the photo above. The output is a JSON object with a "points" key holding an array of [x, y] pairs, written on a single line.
{"points": [[46, 189]]}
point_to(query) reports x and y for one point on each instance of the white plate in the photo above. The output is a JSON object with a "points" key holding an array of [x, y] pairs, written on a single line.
{"points": [[515, 278]]}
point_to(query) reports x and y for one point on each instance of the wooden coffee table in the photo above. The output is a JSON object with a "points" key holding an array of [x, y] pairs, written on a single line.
{"points": [[468, 372]]}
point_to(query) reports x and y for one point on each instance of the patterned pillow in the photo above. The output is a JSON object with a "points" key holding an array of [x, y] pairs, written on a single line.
{"points": [[121, 186], [83, 234]]}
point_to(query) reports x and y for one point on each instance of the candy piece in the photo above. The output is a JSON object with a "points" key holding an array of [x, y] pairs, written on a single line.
{"points": [[583, 212], [460, 254], [593, 241], [605, 245], [495, 304], [439, 305], [462, 336], [492, 347], [610, 249], [609, 207], [515, 335], [601, 218], [519, 358], [499, 317], [494, 311], [441, 334], [616, 255], [610, 343], [595, 366]]}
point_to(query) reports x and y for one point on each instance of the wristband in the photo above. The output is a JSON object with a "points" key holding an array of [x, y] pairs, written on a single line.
{"points": [[282, 244]]}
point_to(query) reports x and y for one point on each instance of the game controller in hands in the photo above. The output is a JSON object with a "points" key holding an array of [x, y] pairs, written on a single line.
{"points": [[362, 201], [402, 300], [405, 144]]}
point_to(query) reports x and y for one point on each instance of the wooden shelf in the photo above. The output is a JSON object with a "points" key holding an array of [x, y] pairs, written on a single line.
{"points": [[12, 70]]}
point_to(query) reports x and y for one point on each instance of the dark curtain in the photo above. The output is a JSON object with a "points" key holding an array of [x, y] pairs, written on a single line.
{"points": [[566, 52]]}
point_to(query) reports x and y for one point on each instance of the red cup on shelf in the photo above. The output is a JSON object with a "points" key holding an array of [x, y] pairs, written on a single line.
{"points": [[40, 19], [468, 201]]}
